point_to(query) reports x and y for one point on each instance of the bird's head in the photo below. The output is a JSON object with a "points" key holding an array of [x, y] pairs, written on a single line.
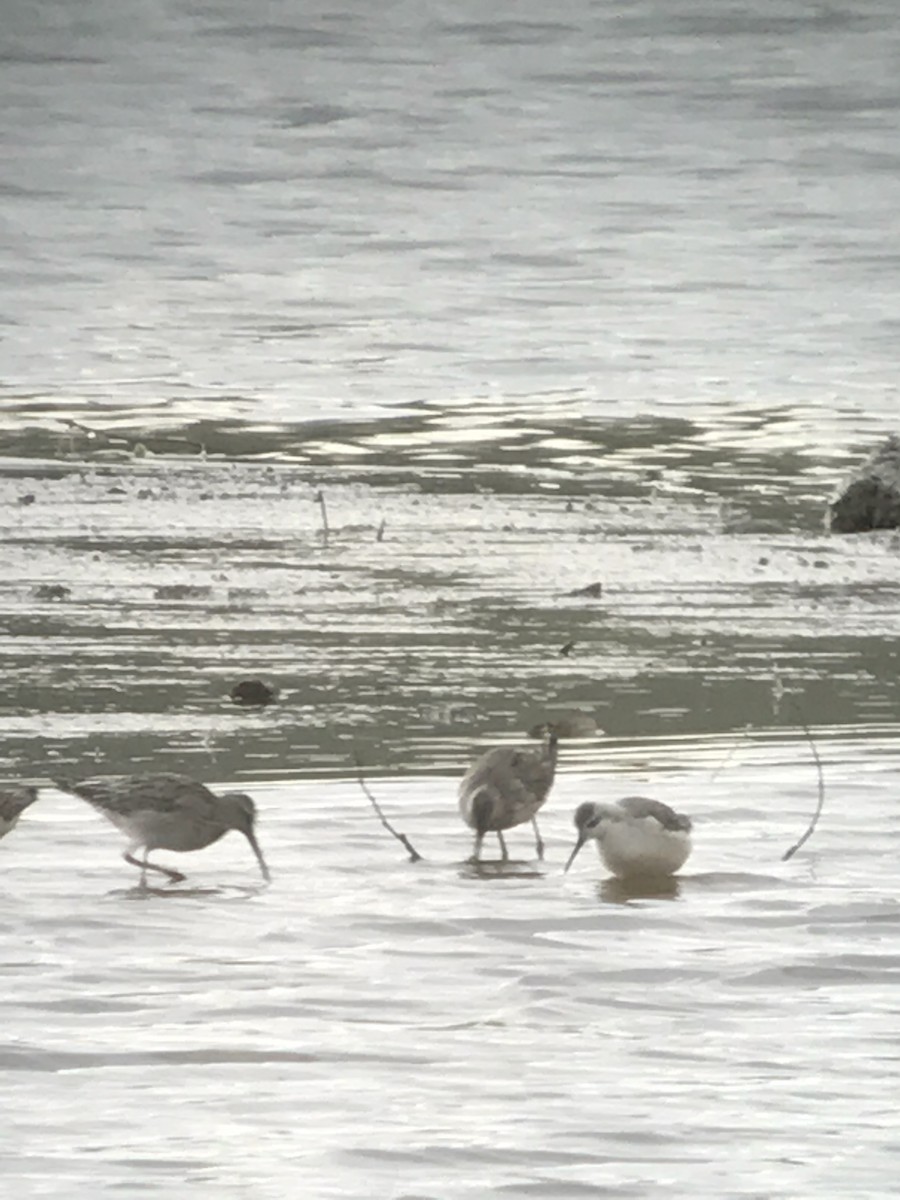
{"points": [[239, 812], [591, 820]]}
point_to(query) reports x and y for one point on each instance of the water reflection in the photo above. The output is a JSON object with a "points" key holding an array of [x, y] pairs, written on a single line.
{"points": [[500, 869], [152, 891], [624, 891]]}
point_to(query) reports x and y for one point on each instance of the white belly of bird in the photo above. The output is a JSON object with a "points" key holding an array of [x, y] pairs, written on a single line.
{"points": [[643, 847]]}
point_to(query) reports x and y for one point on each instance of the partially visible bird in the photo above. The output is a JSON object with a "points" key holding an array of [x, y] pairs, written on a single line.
{"points": [[13, 802], [636, 837], [506, 787], [168, 812]]}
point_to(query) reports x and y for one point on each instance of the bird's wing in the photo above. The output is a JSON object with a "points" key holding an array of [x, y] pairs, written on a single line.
{"points": [[164, 793], [14, 801], [518, 777], [643, 806]]}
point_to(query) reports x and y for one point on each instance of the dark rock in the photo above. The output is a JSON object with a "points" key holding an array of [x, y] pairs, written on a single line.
{"points": [[51, 591], [27, 499], [871, 500], [253, 692], [594, 590]]}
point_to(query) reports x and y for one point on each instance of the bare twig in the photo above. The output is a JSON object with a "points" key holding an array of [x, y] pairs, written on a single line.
{"points": [[815, 817], [379, 536], [778, 690], [320, 500], [414, 855]]}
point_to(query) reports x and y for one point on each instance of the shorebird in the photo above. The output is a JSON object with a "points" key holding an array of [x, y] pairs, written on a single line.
{"points": [[167, 812], [506, 787], [13, 802], [636, 837]]}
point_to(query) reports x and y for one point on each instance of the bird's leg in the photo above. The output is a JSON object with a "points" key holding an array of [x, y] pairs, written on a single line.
{"points": [[504, 853], [174, 876], [538, 840], [476, 852]]}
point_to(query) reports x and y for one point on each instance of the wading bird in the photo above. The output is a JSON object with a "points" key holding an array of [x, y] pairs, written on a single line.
{"points": [[636, 837], [13, 802], [506, 787], [168, 812]]}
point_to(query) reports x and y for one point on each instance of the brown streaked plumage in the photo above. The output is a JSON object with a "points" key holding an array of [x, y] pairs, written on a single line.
{"points": [[14, 799], [505, 788], [168, 812]]}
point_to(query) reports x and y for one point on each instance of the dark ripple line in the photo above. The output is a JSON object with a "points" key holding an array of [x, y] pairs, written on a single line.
{"points": [[23, 1058]]}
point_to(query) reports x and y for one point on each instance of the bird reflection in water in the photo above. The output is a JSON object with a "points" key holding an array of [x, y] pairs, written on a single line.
{"points": [[624, 891]]}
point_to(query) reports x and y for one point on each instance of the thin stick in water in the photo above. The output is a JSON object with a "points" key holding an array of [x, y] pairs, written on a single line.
{"points": [[320, 500], [815, 817], [414, 855]]}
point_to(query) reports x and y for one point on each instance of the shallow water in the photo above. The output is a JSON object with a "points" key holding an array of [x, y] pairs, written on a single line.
{"points": [[366, 1026], [370, 1027], [534, 304], [181, 579]]}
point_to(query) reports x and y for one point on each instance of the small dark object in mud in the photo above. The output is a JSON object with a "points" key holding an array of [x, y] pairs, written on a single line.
{"points": [[181, 591], [593, 589], [379, 536], [28, 498], [51, 591], [253, 692], [567, 649], [871, 500]]}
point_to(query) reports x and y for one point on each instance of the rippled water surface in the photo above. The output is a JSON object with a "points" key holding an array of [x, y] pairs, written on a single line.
{"points": [[450, 371], [370, 1027]]}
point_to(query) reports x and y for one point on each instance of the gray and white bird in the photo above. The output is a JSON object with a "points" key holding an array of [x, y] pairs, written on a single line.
{"points": [[636, 837], [168, 812], [13, 802], [505, 788]]}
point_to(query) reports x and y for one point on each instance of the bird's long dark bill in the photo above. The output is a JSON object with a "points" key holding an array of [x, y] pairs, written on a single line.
{"points": [[578, 846], [251, 838]]}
